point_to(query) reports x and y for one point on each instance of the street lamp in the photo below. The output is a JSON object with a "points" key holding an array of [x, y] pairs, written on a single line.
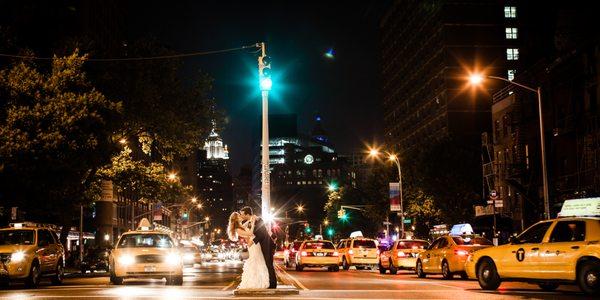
{"points": [[374, 152], [194, 199], [477, 79], [172, 176]]}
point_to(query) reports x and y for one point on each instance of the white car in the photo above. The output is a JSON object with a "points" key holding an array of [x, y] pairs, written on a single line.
{"points": [[146, 254]]}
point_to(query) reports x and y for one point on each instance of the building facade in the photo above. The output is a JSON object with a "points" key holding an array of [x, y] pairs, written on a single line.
{"points": [[563, 61], [427, 50]]}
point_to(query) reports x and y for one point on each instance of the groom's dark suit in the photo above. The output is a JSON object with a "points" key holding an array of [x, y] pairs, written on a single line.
{"points": [[267, 245]]}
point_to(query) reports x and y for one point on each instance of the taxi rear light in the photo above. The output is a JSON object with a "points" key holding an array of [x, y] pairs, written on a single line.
{"points": [[378, 252], [335, 253], [286, 252], [401, 254], [304, 253], [461, 252], [351, 252]]}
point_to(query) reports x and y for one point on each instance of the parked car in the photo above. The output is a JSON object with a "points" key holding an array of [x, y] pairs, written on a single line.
{"points": [[317, 253], [95, 259], [359, 252]]}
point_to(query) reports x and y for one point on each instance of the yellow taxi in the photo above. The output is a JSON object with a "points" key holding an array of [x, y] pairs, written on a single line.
{"points": [[317, 253], [146, 253], [359, 252], [447, 255], [553, 252], [30, 251], [402, 254]]}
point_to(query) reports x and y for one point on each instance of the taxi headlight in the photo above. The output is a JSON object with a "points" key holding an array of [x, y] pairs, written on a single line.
{"points": [[126, 260], [17, 256], [173, 259]]}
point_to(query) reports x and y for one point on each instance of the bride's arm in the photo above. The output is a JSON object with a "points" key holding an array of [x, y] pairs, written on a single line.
{"points": [[244, 234]]}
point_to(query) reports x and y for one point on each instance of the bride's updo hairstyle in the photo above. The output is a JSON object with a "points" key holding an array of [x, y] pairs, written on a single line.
{"points": [[234, 223]]}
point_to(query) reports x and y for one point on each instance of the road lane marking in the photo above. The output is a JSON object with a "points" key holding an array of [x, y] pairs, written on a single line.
{"points": [[296, 281]]}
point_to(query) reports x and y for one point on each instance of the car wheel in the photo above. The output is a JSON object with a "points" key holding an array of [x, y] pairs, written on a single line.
{"points": [[381, 268], [59, 274], [360, 267], [464, 276], [488, 275], [4, 282], [174, 280], [588, 277], [446, 271], [83, 270], [345, 264], [116, 280], [419, 270], [393, 269], [299, 267], [336, 268], [548, 286], [33, 280]]}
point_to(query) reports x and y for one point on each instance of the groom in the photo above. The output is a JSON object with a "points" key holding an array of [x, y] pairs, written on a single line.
{"points": [[267, 245]]}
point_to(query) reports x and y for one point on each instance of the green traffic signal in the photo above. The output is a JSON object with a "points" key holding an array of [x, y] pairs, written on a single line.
{"points": [[330, 232], [307, 229]]}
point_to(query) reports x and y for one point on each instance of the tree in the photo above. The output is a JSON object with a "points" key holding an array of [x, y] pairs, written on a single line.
{"points": [[449, 172], [55, 132]]}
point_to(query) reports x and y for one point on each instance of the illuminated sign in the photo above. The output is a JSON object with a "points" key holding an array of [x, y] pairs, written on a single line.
{"points": [[581, 207]]}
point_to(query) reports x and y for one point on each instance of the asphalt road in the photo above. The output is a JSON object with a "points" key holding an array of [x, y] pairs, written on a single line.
{"points": [[218, 280]]}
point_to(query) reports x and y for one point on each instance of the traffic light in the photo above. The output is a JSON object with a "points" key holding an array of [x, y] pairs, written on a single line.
{"points": [[307, 228], [330, 232], [264, 72], [332, 186], [185, 215]]}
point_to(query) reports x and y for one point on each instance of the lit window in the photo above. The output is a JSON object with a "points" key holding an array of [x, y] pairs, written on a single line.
{"points": [[511, 33], [511, 74], [512, 54], [510, 12]]}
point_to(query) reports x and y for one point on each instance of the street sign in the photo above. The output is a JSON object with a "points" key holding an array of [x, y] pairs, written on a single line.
{"points": [[13, 213], [387, 223], [499, 203], [407, 221], [493, 194]]}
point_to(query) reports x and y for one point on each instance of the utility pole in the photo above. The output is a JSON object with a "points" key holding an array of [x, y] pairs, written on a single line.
{"points": [[80, 233], [264, 68]]}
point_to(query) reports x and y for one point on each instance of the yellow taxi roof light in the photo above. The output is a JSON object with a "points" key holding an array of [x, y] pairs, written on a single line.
{"points": [[357, 233], [144, 225], [461, 229], [584, 207]]}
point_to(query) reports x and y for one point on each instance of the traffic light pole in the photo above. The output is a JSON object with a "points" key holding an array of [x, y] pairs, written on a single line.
{"points": [[265, 176]]}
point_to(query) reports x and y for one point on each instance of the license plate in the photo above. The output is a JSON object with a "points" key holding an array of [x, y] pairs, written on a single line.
{"points": [[320, 254], [149, 269]]}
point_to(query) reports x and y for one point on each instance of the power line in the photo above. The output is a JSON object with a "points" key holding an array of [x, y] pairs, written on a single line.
{"points": [[138, 58]]}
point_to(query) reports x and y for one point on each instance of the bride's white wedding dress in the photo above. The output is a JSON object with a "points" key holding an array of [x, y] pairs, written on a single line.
{"points": [[255, 274]]}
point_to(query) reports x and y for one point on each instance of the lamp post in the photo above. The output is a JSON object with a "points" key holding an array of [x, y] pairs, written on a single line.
{"points": [[299, 209], [477, 79], [264, 68], [393, 158]]}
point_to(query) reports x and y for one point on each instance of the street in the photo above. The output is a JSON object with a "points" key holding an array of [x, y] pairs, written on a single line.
{"points": [[217, 281]]}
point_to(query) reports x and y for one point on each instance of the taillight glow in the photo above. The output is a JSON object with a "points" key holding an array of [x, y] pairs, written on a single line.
{"points": [[335, 253], [304, 253], [286, 252], [378, 252], [401, 254], [461, 252], [351, 252]]}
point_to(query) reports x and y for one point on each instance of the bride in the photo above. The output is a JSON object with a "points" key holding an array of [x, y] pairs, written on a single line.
{"points": [[255, 274]]}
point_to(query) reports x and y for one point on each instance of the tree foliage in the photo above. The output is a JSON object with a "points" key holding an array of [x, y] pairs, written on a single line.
{"points": [[55, 132]]}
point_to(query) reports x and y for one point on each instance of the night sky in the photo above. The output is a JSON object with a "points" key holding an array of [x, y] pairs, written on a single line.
{"points": [[343, 90]]}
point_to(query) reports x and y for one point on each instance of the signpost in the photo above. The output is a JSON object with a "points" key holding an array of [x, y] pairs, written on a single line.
{"points": [[395, 196]]}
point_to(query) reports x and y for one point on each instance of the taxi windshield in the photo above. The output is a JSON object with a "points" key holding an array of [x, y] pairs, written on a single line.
{"points": [[475, 241], [17, 237], [146, 241], [318, 245], [364, 243], [413, 245]]}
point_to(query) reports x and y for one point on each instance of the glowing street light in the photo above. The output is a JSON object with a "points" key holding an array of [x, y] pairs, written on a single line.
{"points": [[299, 208], [332, 186], [207, 218], [194, 199], [477, 79], [172, 176], [199, 205]]}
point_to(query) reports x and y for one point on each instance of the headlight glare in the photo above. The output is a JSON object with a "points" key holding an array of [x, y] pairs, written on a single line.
{"points": [[173, 259], [17, 256], [126, 260]]}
